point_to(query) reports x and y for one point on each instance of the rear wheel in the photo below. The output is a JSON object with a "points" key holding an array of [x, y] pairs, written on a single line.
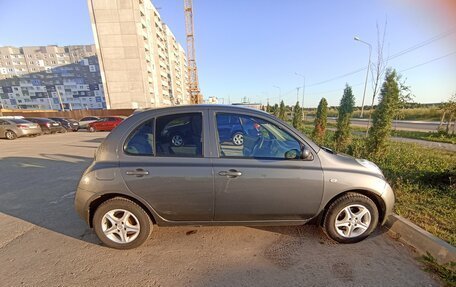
{"points": [[351, 218], [122, 224], [10, 135]]}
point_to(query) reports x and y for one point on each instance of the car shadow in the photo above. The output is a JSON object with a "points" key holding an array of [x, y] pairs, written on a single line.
{"points": [[41, 190]]}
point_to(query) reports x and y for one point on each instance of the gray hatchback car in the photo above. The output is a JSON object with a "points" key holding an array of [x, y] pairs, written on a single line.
{"points": [[175, 166]]}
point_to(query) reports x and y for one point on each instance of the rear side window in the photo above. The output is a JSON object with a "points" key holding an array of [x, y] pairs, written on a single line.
{"points": [[179, 135], [141, 141]]}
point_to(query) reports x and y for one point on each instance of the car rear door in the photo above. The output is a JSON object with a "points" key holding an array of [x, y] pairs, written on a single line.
{"points": [[255, 181], [176, 181]]}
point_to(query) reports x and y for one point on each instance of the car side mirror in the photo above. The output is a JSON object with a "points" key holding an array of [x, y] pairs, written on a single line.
{"points": [[306, 154]]}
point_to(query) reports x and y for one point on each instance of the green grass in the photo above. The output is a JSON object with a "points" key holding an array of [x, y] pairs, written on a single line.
{"points": [[423, 179], [428, 136], [446, 272]]}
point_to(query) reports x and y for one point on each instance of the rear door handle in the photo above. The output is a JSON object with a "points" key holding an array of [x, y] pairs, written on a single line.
{"points": [[138, 172], [232, 173]]}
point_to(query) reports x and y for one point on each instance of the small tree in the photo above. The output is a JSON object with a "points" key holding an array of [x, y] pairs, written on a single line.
{"points": [[448, 109], [347, 105], [282, 112], [268, 108], [275, 110], [321, 118], [383, 116], [297, 116]]}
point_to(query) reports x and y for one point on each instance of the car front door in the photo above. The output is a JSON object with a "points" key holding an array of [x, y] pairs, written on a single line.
{"points": [[265, 178], [176, 180]]}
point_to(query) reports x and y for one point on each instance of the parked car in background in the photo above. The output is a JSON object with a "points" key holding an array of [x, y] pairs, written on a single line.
{"points": [[11, 128], [276, 176], [105, 124], [68, 124], [48, 126], [84, 122]]}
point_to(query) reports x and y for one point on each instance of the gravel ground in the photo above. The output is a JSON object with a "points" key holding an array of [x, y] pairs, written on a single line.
{"points": [[44, 243]]}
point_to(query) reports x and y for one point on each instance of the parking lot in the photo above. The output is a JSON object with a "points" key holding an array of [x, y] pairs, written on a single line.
{"points": [[44, 243]]}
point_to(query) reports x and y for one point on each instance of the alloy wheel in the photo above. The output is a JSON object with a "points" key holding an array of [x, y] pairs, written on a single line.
{"points": [[120, 226], [177, 140], [352, 221], [238, 139]]}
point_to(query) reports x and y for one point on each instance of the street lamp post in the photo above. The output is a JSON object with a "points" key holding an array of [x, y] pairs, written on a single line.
{"points": [[367, 73]]}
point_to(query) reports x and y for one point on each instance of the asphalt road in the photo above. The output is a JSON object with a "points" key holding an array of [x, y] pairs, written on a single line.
{"points": [[44, 243]]}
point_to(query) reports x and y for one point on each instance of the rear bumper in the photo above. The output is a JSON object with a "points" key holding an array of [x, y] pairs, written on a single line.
{"points": [[81, 203], [28, 132]]}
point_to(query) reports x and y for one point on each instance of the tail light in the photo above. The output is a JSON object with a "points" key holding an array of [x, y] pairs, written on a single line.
{"points": [[22, 126]]}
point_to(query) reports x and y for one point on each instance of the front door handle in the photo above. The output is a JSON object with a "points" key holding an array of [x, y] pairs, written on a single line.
{"points": [[232, 173], [138, 172]]}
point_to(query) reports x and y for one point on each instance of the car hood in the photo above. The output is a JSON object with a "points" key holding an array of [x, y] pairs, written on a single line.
{"points": [[331, 160]]}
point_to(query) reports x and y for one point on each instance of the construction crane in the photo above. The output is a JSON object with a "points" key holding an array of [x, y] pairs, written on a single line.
{"points": [[195, 94]]}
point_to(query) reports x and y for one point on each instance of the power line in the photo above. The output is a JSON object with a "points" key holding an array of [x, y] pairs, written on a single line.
{"points": [[430, 61], [398, 54]]}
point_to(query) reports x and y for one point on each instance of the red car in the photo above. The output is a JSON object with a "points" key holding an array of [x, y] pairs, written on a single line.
{"points": [[105, 124]]}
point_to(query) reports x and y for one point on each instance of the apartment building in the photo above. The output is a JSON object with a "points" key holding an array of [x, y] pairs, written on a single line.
{"points": [[50, 77], [142, 64]]}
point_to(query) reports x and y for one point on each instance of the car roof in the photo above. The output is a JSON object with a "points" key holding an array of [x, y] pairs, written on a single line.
{"points": [[200, 107]]}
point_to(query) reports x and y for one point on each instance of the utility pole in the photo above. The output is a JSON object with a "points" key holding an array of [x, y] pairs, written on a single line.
{"points": [[297, 94], [367, 73], [303, 92]]}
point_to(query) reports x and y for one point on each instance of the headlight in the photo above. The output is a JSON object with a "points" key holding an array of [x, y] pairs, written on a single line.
{"points": [[370, 166]]}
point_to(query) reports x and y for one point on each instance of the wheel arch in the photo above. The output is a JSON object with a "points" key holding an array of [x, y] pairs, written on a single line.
{"points": [[381, 207], [98, 201]]}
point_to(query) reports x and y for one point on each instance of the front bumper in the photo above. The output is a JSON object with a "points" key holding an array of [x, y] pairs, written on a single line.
{"points": [[389, 199]]}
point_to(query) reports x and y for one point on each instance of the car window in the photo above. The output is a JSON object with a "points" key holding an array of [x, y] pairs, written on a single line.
{"points": [[245, 136], [19, 121], [179, 135], [141, 140]]}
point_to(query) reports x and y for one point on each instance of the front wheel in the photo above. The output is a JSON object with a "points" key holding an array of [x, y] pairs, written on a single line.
{"points": [[122, 224], [92, 129], [351, 218]]}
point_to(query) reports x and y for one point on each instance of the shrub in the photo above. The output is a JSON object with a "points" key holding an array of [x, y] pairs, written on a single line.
{"points": [[321, 120], [343, 134]]}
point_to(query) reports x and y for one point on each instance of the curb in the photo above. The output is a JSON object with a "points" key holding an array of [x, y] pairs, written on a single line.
{"points": [[423, 241]]}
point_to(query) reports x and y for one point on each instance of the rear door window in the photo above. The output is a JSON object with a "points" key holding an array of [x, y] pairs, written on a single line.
{"points": [[179, 135]]}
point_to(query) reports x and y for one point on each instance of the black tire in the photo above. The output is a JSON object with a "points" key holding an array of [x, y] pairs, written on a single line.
{"points": [[337, 207], [145, 222], [10, 135]]}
